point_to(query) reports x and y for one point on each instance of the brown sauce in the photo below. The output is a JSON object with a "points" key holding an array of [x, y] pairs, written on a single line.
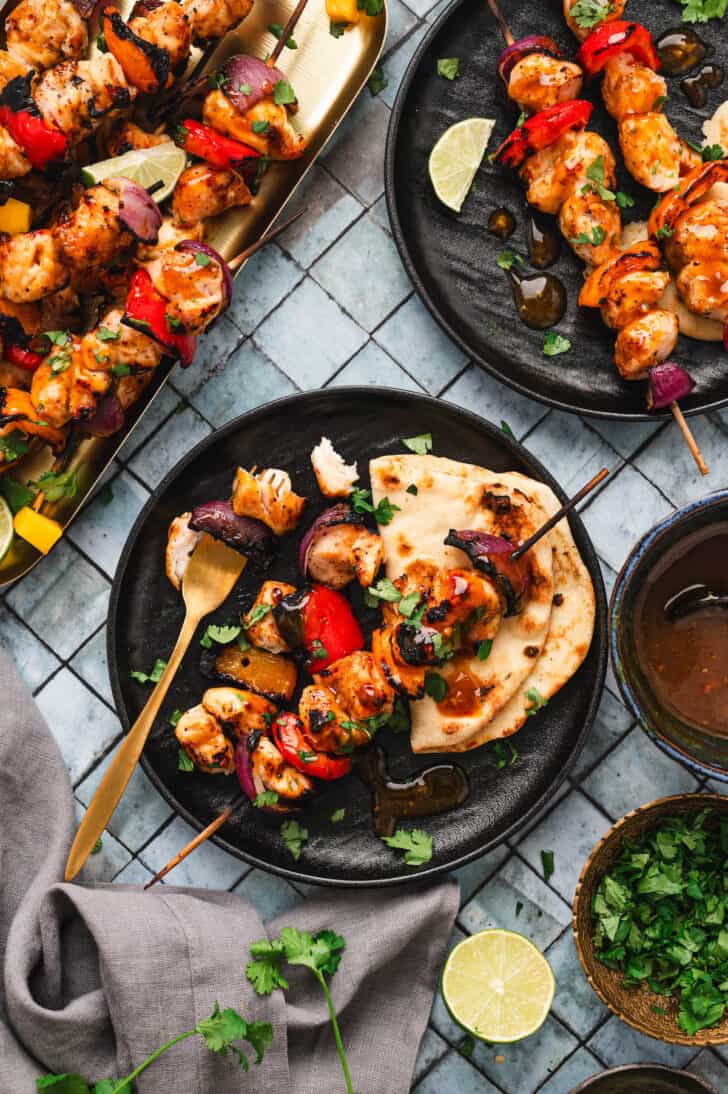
{"points": [[544, 242], [695, 88], [502, 223], [681, 50], [685, 659], [540, 299], [433, 791], [463, 693]]}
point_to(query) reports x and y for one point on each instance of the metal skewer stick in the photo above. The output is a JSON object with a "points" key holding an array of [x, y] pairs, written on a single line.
{"points": [[205, 834], [560, 514], [674, 407]]}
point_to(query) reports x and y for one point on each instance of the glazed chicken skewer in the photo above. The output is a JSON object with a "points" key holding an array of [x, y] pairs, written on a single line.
{"points": [[570, 171]]}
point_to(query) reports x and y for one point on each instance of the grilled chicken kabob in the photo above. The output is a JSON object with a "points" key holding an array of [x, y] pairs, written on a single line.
{"points": [[570, 172]]}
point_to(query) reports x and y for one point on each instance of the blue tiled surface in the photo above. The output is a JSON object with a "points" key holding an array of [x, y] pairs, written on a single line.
{"points": [[330, 304]]}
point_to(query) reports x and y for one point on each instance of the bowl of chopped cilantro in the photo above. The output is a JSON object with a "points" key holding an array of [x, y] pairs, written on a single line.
{"points": [[651, 919]]}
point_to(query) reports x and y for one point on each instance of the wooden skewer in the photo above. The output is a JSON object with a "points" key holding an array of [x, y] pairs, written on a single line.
{"points": [[689, 438], [286, 33], [504, 28], [200, 838], [237, 262], [562, 512]]}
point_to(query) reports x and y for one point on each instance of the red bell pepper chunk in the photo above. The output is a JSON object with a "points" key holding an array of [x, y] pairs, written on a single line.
{"points": [[206, 143], [611, 39], [40, 142], [297, 750], [146, 311], [24, 358], [543, 130], [330, 629]]}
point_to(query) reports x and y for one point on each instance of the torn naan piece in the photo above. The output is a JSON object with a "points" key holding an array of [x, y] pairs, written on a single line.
{"points": [[454, 495], [572, 623]]}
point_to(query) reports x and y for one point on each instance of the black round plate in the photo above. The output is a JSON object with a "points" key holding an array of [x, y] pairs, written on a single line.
{"points": [[451, 258], [146, 614]]}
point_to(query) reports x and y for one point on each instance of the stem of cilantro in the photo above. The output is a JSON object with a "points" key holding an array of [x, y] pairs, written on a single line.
{"points": [[337, 1033], [119, 1088]]}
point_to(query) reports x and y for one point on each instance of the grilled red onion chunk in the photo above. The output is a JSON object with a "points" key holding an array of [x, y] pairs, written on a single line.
{"points": [[492, 555], [511, 55], [107, 419], [248, 80], [250, 537], [194, 246], [137, 210], [668, 384]]}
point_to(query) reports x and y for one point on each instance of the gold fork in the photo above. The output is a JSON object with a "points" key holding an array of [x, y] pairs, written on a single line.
{"points": [[211, 574]]}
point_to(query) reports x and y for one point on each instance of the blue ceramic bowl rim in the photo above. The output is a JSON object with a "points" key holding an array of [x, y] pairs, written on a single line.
{"points": [[634, 1069], [645, 545]]}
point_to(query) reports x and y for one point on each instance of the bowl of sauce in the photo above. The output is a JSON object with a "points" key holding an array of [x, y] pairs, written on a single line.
{"points": [[644, 1079], [669, 634]]}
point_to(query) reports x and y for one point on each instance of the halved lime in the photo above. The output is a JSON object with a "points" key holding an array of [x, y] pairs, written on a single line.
{"points": [[498, 986], [456, 157], [163, 163], [6, 527]]}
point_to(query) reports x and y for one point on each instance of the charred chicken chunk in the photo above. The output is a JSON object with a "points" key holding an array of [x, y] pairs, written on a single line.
{"points": [[345, 551], [327, 724], [358, 686], [334, 476], [204, 190], [201, 736], [273, 773], [213, 18], [195, 292], [260, 622], [41, 33], [181, 542], [276, 138], [267, 496], [239, 712], [539, 81], [645, 342], [31, 266]]}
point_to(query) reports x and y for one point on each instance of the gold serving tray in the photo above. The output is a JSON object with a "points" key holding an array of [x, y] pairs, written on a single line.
{"points": [[328, 74]]}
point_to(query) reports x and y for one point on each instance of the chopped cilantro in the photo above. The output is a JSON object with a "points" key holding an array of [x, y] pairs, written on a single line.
{"points": [[337, 816], [624, 201], [420, 445], [597, 237], [484, 649], [449, 67], [597, 182], [265, 798], [294, 837], [712, 152], [507, 258], [184, 763], [664, 232], [547, 861], [555, 344], [16, 495], [283, 94], [55, 487], [435, 686], [536, 700], [120, 370], [175, 717], [416, 844], [220, 634], [260, 127], [377, 81], [590, 13], [105, 334], [260, 611], [202, 259], [700, 11], [150, 678], [276, 30], [412, 489], [336, 30]]}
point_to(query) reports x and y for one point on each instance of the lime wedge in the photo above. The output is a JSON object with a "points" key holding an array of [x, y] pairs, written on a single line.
{"points": [[498, 986], [456, 157], [163, 163], [6, 527]]}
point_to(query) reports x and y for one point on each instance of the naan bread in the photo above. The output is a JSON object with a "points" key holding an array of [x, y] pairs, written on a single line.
{"points": [[572, 622], [451, 494]]}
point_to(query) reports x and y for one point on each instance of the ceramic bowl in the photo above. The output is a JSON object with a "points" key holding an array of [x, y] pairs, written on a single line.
{"points": [[705, 753], [644, 1079], [635, 1006]]}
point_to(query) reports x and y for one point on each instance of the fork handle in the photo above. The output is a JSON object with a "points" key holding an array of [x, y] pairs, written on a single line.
{"points": [[123, 764]]}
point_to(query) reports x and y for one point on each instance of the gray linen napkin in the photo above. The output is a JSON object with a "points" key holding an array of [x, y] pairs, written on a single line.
{"points": [[96, 978]]}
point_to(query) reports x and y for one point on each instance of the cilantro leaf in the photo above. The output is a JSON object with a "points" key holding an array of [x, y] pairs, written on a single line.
{"points": [[597, 237], [264, 972], [377, 81], [435, 686], [507, 258], [712, 152], [536, 701], [547, 861], [13, 445], [624, 201], [337, 816], [384, 590], [153, 677], [596, 174], [16, 495], [283, 93], [484, 649], [266, 797], [55, 487], [276, 30], [701, 11], [294, 837], [184, 763], [417, 845], [554, 344], [421, 445], [221, 634], [590, 13], [336, 30], [449, 67]]}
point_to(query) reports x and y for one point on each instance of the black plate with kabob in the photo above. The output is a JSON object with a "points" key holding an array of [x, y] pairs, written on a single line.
{"points": [[604, 133], [385, 617]]}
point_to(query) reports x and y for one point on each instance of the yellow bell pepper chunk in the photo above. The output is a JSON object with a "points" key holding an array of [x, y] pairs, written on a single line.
{"points": [[15, 217], [38, 530], [343, 11]]}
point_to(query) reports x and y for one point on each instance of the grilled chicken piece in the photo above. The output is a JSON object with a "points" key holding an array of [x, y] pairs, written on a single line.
{"points": [[200, 735], [334, 476], [329, 727], [704, 288], [214, 18], [130, 388], [632, 296], [271, 770], [700, 235], [10, 67], [645, 342], [267, 496], [204, 191], [113, 343], [279, 140], [170, 234], [358, 686], [406, 680], [195, 293], [344, 552], [181, 542], [591, 226], [124, 136], [555, 173], [41, 33], [540, 81], [75, 96], [239, 712], [632, 88], [615, 8], [652, 150], [168, 28], [13, 163], [457, 594], [264, 631], [91, 234], [31, 266]]}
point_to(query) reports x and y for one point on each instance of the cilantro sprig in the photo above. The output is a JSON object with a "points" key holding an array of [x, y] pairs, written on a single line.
{"points": [[219, 1032], [320, 953], [416, 844], [701, 11], [660, 915]]}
